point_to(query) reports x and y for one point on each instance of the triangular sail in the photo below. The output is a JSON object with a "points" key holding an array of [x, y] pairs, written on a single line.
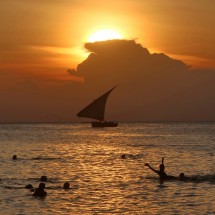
{"points": [[96, 109]]}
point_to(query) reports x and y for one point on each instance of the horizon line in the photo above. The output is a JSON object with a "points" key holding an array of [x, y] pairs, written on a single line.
{"points": [[85, 122]]}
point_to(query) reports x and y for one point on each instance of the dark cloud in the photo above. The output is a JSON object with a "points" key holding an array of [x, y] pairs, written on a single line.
{"points": [[150, 86], [122, 59]]}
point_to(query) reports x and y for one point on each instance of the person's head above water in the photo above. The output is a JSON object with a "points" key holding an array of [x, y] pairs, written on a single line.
{"points": [[123, 156], [14, 157], [42, 186], [181, 176], [66, 185], [28, 186], [43, 178]]}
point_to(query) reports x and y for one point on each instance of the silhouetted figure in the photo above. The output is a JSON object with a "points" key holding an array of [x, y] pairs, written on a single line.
{"points": [[182, 177], [123, 156], [28, 186], [40, 192], [14, 157], [43, 178], [161, 172], [66, 185]]}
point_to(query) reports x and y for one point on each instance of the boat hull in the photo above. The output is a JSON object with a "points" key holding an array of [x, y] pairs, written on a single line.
{"points": [[103, 124]]}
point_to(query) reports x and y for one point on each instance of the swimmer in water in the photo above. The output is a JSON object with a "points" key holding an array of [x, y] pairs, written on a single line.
{"points": [[66, 185], [28, 186], [43, 178], [161, 172], [123, 156], [14, 157], [40, 192], [182, 177]]}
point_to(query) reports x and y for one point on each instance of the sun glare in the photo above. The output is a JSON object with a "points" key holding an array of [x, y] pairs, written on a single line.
{"points": [[102, 35]]}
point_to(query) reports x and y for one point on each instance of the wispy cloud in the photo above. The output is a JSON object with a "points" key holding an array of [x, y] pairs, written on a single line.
{"points": [[195, 61]]}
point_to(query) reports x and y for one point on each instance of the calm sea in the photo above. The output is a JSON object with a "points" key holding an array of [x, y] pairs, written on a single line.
{"points": [[101, 181]]}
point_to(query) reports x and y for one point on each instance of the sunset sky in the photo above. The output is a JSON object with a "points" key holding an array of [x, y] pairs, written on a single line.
{"points": [[41, 39]]}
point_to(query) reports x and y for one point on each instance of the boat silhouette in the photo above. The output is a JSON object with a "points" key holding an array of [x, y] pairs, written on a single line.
{"points": [[96, 110]]}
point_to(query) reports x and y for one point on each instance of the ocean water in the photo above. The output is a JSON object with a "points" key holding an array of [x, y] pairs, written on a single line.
{"points": [[101, 181]]}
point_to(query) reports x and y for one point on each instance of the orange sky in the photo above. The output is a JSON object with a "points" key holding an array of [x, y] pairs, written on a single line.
{"points": [[45, 35], [40, 40]]}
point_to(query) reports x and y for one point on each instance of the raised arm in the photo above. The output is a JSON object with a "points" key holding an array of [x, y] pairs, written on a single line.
{"points": [[163, 161], [154, 170]]}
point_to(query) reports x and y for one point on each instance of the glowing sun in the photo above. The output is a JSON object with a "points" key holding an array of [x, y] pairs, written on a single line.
{"points": [[102, 35]]}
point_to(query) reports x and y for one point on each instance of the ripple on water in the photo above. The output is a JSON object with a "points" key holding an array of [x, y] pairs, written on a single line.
{"points": [[101, 181]]}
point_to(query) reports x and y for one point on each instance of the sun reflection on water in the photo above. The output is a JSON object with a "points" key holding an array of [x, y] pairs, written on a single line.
{"points": [[101, 180]]}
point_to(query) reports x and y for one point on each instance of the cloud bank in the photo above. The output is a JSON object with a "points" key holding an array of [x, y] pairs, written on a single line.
{"points": [[151, 87]]}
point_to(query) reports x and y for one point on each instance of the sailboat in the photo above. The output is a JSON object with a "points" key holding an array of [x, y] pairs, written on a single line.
{"points": [[96, 110]]}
